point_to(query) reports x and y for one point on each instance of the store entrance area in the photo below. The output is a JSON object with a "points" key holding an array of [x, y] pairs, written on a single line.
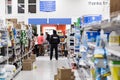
{"points": [[44, 69]]}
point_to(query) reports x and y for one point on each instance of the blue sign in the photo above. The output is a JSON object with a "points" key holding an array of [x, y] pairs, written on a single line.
{"points": [[36, 21], [59, 20], [91, 19], [47, 6]]}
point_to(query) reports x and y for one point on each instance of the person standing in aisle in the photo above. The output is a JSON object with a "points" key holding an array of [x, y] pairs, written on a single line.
{"points": [[65, 46], [47, 37], [54, 41], [41, 40], [36, 49], [48, 40]]}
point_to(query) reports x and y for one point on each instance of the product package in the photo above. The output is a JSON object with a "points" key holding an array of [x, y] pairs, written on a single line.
{"points": [[27, 64], [62, 74]]}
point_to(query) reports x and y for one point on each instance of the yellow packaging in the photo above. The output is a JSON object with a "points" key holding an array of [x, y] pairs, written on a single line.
{"points": [[114, 39], [98, 56], [115, 71], [92, 72]]}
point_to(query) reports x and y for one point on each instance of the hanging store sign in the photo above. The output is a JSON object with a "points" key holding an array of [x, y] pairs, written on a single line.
{"points": [[90, 19], [47, 5]]}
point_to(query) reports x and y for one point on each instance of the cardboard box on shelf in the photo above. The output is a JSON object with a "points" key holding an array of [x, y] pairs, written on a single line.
{"points": [[11, 22], [14, 20], [27, 64], [27, 60], [33, 57], [18, 26], [72, 73]]}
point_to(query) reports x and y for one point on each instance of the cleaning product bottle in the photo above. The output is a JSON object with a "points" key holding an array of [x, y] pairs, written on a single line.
{"points": [[114, 39]]}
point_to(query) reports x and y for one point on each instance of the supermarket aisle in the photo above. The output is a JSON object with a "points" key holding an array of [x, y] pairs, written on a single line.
{"points": [[45, 69]]}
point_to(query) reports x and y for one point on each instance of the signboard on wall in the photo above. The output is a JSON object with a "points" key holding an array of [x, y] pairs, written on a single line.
{"points": [[49, 30], [47, 5]]}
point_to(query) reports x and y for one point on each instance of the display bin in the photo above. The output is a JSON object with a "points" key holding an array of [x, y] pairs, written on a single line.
{"points": [[115, 70]]}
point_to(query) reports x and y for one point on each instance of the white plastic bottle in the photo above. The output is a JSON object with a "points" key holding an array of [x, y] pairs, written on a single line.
{"points": [[113, 39]]}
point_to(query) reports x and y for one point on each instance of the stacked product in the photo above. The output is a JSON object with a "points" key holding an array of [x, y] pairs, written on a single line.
{"points": [[27, 64], [6, 71], [64, 74]]}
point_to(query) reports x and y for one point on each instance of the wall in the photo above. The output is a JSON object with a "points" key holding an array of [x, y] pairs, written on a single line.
{"points": [[64, 9], [62, 28], [48, 26], [55, 27]]}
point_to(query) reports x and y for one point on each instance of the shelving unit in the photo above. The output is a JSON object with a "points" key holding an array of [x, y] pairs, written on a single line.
{"points": [[114, 51], [15, 73], [12, 52], [3, 42]]}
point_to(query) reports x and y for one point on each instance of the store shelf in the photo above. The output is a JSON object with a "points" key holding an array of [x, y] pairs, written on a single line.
{"points": [[22, 56], [91, 45], [115, 50], [17, 47], [18, 53], [27, 53], [17, 71], [84, 74], [10, 55], [4, 58], [3, 30]]}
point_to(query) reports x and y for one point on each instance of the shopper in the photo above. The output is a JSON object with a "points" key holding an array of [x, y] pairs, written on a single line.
{"points": [[47, 41], [65, 42], [47, 37], [54, 41], [36, 49], [41, 41], [65, 46]]}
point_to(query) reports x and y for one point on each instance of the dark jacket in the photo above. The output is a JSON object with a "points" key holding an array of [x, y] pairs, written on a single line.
{"points": [[48, 38], [54, 39]]}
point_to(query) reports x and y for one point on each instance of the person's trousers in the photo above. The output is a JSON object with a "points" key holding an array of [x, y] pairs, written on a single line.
{"points": [[54, 46], [41, 50], [36, 50]]}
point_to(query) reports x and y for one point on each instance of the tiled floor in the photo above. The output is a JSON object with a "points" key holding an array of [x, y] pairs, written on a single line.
{"points": [[45, 70]]}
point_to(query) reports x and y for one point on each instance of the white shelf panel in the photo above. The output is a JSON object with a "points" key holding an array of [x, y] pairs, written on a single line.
{"points": [[3, 59], [115, 50], [91, 44]]}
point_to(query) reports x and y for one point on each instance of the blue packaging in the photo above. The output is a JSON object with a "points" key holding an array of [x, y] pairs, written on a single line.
{"points": [[107, 36], [92, 35]]}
